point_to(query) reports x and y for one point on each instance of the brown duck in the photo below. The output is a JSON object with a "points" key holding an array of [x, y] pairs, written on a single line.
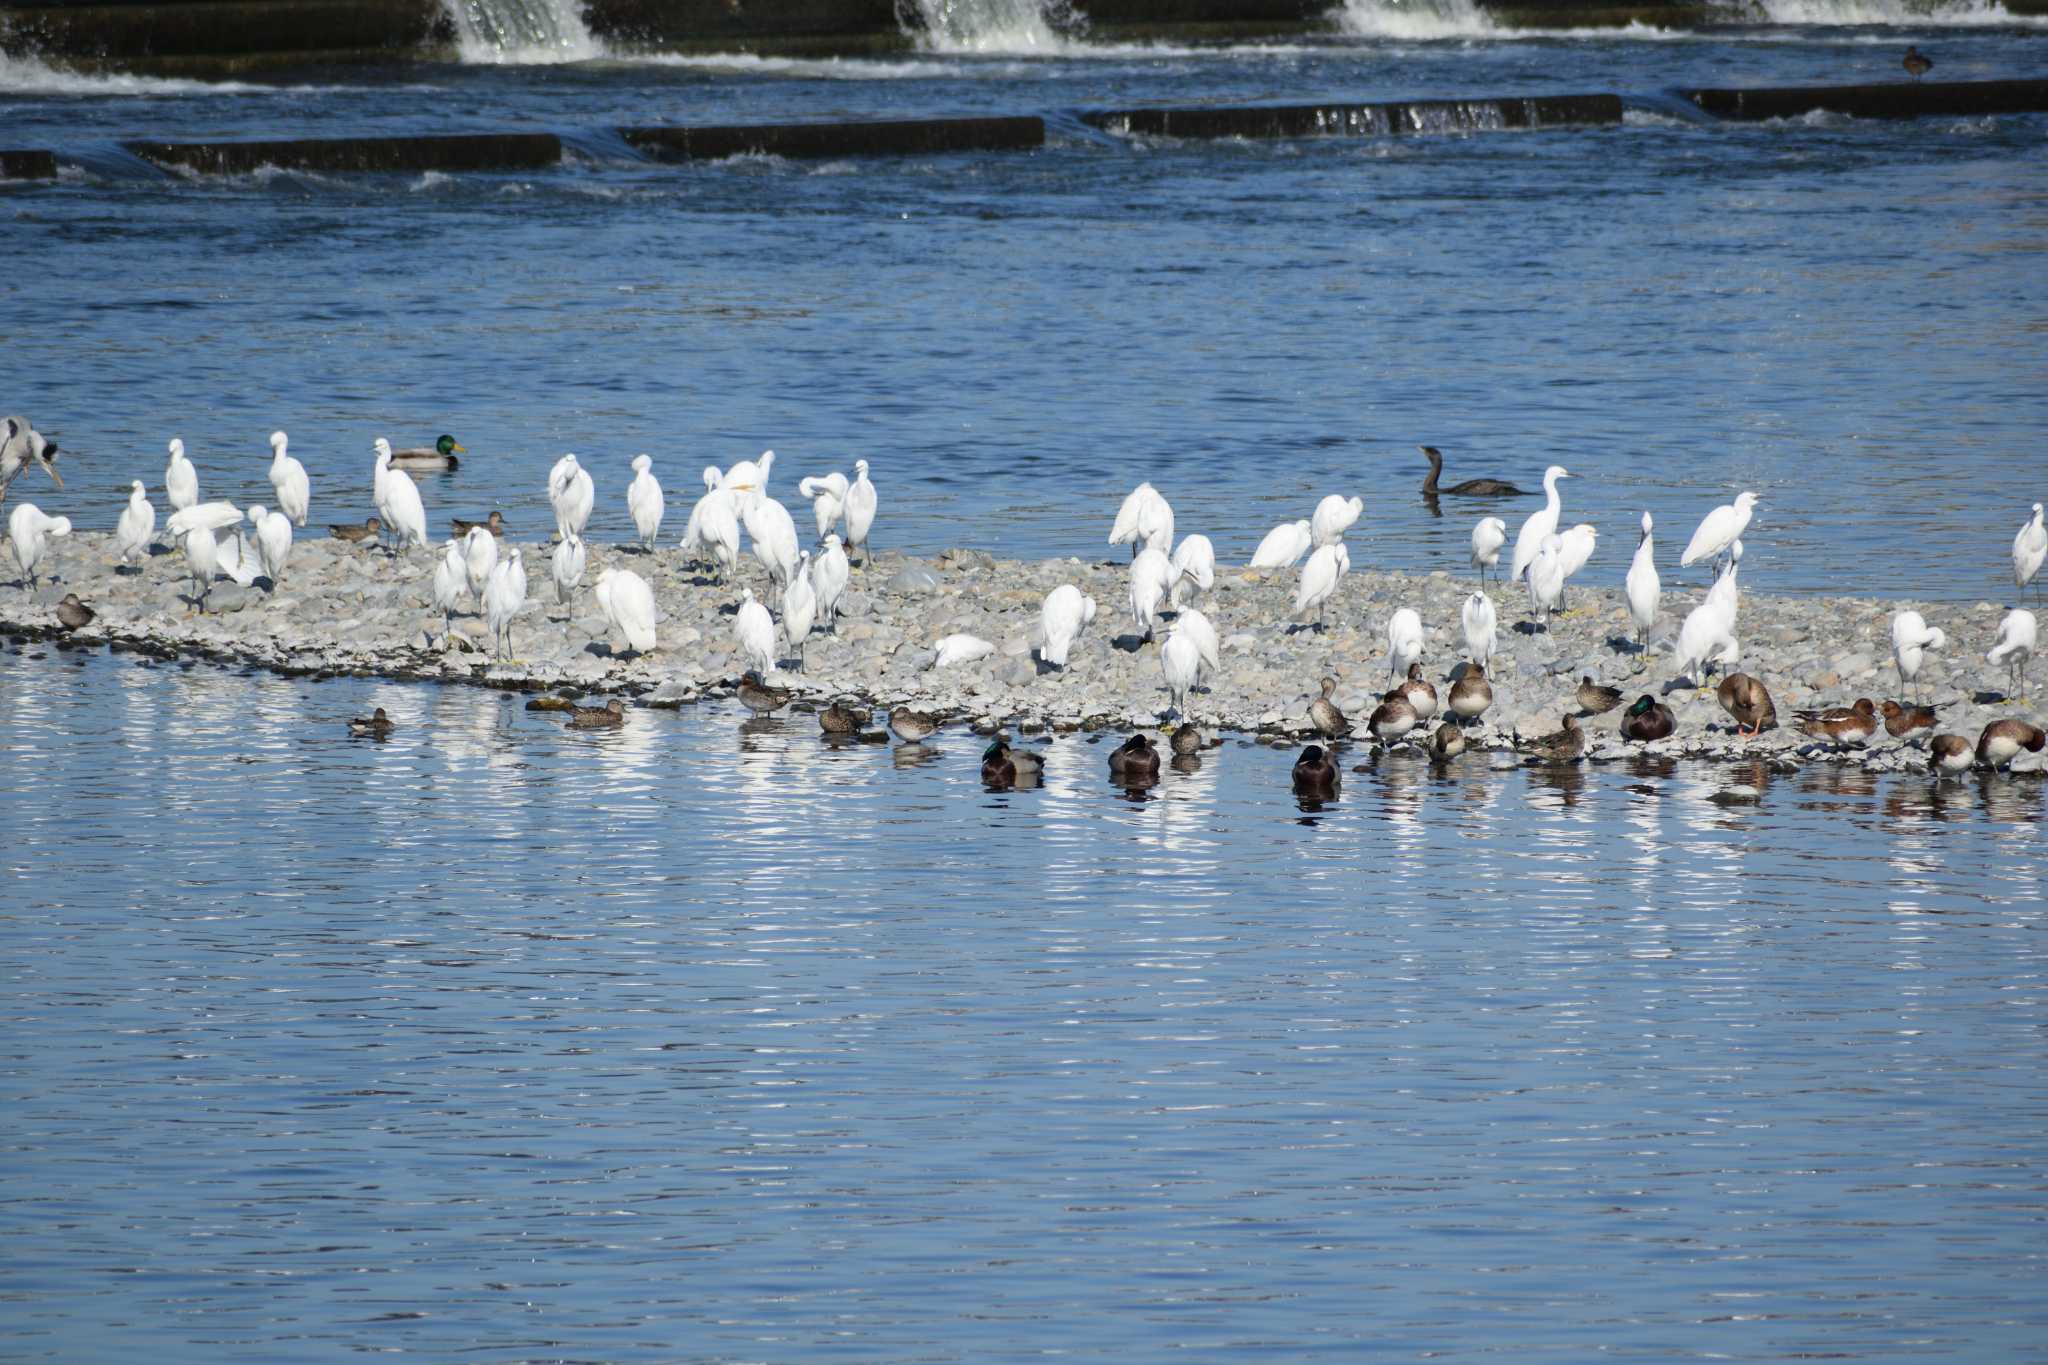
{"points": [[2002, 741], [1560, 745], [1595, 700], [1316, 774], [371, 529], [1748, 702], [1420, 692], [376, 723], [1845, 725], [1330, 722], [1134, 761], [610, 716], [1916, 64], [840, 719], [73, 614], [912, 726], [1187, 740], [1648, 719], [1447, 743], [1392, 719], [494, 523], [1471, 694], [1904, 722], [1471, 488], [758, 696], [1948, 755]]}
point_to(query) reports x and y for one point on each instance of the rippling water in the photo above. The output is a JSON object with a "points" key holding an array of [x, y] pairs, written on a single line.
{"points": [[706, 1040]]}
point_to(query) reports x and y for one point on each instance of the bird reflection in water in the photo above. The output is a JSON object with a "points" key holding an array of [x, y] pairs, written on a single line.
{"points": [[913, 754], [1567, 779], [1185, 764], [755, 731], [1652, 770], [1845, 780]]}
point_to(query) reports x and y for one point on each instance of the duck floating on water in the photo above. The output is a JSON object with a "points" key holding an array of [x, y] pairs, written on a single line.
{"points": [[1004, 767], [1471, 488], [1135, 760], [912, 726], [841, 719], [376, 724], [440, 455], [1316, 775], [1917, 64], [610, 716]]}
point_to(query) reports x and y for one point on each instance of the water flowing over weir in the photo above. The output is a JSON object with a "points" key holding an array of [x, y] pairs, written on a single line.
{"points": [[1412, 19], [522, 32], [1902, 13], [989, 26]]}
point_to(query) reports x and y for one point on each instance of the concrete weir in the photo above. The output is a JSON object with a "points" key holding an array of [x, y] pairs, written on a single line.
{"points": [[1893, 100], [27, 165], [1362, 120], [907, 137], [455, 152]]}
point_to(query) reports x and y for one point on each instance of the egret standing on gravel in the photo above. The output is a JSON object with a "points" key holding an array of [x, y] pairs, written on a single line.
{"points": [[628, 606], [288, 477], [799, 607], [195, 528], [1180, 659], [693, 533], [2029, 548], [829, 572], [1061, 618], [1404, 641], [1144, 521], [1719, 529], [1644, 590], [1334, 516], [754, 631], [273, 541], [30, 530], [1546, 578], [1487, 538], [1479, 621], [451, 580], [773, 532], [1912, 637], [404, 514], [715, 525], [1194, 570], [1540, 523], [748, 480], [480, 558], [567, 565], [181, 480], [572, 494], [1708, 634], [860, 512], [2017, 639], [137, 525], [1283, 546], [1319, 579], [1575, 547], [827, 493], [504, 595], [1151, 577], [644, 501]]}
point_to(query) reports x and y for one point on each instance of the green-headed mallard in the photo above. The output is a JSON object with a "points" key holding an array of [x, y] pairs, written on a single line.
{"points": [[1648, 719], [440, 455]]}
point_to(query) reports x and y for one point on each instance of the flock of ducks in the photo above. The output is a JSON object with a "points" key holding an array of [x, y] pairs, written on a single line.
{"points": [[1167, 578]]}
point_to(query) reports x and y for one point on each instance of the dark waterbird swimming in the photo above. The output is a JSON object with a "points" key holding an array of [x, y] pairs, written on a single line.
{"points": [[376, 724], [1135, 760], [1316, 774], [758, 696], [1471, 488], [610, 716], [1916, 64], [440, 455]]}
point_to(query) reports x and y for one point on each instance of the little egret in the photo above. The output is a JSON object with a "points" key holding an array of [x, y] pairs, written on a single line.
{"points": [[1180, 659], [288, 477], [2029, 548], [566, 567], [1283, 546], [1194, 570], [644, 502], [960, 649], [1404, 640], [1480, 621], [1334, 516], [748, 480], [1151, 576], [181, 479], [1487, 539], [754, 631], [1912, 637], [273, 532], [29, 528], [1644, 591], [827, 493], [2017, 639], [1546, 578], [773, 532], [451, 580], [799, 607], [572, 494], [404, 513], [480, 555], [1719, 529], [138, 523], [1540, 524], [1319, 579], [1061, 618], [829, 572], [860, 512], [628, 606], [504, 595], [1144, 520]]}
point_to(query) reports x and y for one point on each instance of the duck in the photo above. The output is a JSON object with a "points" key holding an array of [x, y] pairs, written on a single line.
{"points": [[910, 725], [1845, 725], [73, 614], [1134, 761], [1471, 488], [494, 523], [1316, 774], [1420, 692], [1447, 743], [440, 455], [1916, 64], [758, 696], [1595, 700], [841, 719], [1648, 719], [2002, 741], [1471, 694], [610, 716], [1330, 722], [1904, 722], [1392, 719], [376, 723], [1002, 766], [1187, 740], [1748, 702], [1948, 755], [371, 529], [1559, 746]]}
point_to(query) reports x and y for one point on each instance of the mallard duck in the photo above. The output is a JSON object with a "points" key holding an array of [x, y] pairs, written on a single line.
{"points": [[758, 696], [440, 455], [1648, 719], [1134, 761], [1595, 700], [376, 723], [1002, 766], [610, 716], [1420, 692], [910, 725], [2002, 741], [1471, 488], [1559, 745], [1845, 725], [73, 614], [1392, 719], [1471, 694], [494, 523], [1324, 715], [1916, 64], [1447, 743], [1316, 774], [1188, 740], [1948, 755], [1748, 702], [841, 719], [1903, 722], [371, 529]]}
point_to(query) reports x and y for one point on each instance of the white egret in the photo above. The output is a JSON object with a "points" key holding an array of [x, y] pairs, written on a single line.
{"points": [[754, 630], [480, 557], [799, 607], [1144, 520], [30, 529], [1719, 529], [1203, 631], [1488, 536], [566, 567], [1180, 659], [860, 512], [1575, 547], [273, 532], [1912, 637], [693, 533], [748, 480], [504, 595], [288, 477], [2029, 548], [1333, 517], [1546, 578], [138, 523], [829, 572], [827, 493], [1151, 578], [716, 521], [1707, 635], [644, 501], [1283, 546], [960, 649], [628, 606], [1539, 524], [1724, 585], [1644, 591], [451, 580], [1061, 618], [405, 516], [1194, 570], [380, 482], [773, 532], [572, 494], [202, 557], [234, 558], [2018, 637], [1479, 620], [1404, 640], [213, 516], [1319, 578], [181, 479]]}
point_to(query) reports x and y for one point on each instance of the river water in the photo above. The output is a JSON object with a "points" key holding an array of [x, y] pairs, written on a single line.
{"points": [[703, 1040]]}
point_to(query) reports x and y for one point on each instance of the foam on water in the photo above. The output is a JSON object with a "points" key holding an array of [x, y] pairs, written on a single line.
{"points": [[28, 76], [1894, 13], [522, 32], [1034, 27]]}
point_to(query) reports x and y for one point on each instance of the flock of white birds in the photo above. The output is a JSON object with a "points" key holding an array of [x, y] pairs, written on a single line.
{"points": [[807, 586]]}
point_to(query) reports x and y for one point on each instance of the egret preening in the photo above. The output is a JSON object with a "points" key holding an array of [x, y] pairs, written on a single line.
{"points": [[1719, 529], [1319, 578], [1203, 632], [1575, 548], [504, 595], [1404, 641], [2017, 639], [1707, 635], [860, 512], [960, 649], [29, 529], [380, 483], [644, 502], [827, 493], [1540, 524], [754, 631], [273, 532], [715, 526], [1180, 659], [748, 480], [1546, 578], [566, 567], [1151, 577], [1724, 585], [1194, 570], [829, 572], [1479, 622], [774, 535], [1644, 591], [195, 528], [572, 494], [1061, 618], [693, 533], [799, 607], [1283, 546], [628, 606], [451, 580], [480, 555], [234, 558], [288, 477], [1487, 539], [1333, 517], [181, 480], [138, 523], [1144, 521], [2029, 548], [1912, 637]]}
